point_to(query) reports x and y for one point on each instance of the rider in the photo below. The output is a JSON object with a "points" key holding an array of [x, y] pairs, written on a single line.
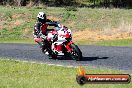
{"points": [[40, 28]]}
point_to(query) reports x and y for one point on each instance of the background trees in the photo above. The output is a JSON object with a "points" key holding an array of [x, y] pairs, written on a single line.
{"points": [[88, 3]]}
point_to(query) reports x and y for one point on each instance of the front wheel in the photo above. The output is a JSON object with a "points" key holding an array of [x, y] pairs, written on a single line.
{"points": [[76, 52]]}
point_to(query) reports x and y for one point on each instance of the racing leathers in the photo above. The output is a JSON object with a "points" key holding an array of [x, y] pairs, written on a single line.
{"points": [[40, 30]]}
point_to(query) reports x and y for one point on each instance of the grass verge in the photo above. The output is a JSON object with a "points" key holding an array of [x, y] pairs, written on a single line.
{"points": [[119, 42], [18, 22], [25, 41], [17, 74]]}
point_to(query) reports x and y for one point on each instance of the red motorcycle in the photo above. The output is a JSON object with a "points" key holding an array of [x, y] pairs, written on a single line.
{"points": [[59, 43]]}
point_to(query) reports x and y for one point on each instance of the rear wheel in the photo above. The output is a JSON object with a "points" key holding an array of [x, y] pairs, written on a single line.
{"points": [[51, 54], [76, 52]]}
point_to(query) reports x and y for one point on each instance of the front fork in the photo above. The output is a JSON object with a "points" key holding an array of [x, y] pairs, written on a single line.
{"points": [[68, 47]]}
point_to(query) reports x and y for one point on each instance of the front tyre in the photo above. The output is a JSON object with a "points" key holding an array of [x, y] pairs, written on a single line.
{"points": [[76, 52]]}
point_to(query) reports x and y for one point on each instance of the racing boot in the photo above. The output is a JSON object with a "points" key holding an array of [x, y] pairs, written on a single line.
{"points": [[42, 47]]}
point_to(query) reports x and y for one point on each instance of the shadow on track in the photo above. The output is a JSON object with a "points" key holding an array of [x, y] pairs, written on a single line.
{"points": [[84, 58], [93, 58]]}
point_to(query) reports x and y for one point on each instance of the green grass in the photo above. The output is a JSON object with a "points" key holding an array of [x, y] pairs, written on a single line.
{"points": [[119, 42], [17, 74], [17, 23], [83, 18], [25, 41], [122, 42]]}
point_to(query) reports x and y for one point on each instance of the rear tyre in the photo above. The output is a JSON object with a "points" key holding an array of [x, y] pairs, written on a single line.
{"points": [[76, 52], [43, 49], [52, 55]]}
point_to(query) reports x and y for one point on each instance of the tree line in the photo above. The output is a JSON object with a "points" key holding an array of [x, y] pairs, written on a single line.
{"points": [[81, 3], [114, 3]]}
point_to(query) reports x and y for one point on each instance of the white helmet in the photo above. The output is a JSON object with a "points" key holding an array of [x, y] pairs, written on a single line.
{"points": [[41, 17]]}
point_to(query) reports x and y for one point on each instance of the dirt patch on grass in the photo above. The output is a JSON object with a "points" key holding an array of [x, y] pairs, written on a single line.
{"points": [[2, 24], [26, 34], [15, 23], [18, 22], [53, 18], [15, 16], [100, 35], [1, 27]]}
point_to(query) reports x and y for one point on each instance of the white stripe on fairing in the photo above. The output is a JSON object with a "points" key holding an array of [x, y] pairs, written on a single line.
{"points": [[33, 62]]}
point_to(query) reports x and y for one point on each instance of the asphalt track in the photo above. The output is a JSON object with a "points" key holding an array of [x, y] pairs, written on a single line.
{"points": [[97, 56]]}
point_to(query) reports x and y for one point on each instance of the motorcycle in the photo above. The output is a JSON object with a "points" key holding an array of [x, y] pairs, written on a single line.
{"points": [[59, 43]]}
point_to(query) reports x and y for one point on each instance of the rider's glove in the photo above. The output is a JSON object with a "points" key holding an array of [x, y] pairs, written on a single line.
{"points": [[35, 36]]}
